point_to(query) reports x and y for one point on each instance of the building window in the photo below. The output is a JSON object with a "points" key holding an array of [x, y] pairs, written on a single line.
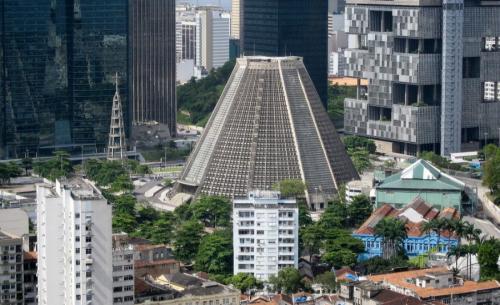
{"points": [[491, 92], [77, 250], [471, 67], [491, 44], [380, 21], [88, 251]]}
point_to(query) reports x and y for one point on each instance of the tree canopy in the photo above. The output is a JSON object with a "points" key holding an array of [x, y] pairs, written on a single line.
{"points": [[212, 211], [288, 280], [199, 97], [8, 171], [215, 253], [187, 240], [290, 188], [245, 282], [57, 167], [393, 233]]}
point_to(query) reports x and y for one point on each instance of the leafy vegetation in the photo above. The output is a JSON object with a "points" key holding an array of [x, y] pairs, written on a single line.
{"points": [[8, 171], [491, 176], [57, 167], [288, 280], [212, 211], [336, 96], [197, 98], [245, 282], [393, 233], [215, 253], [488, 253], [439, 161], [327, 281], [378, 264], [187, 240], [359, 149], [290, 188], [330, 237], [357, 143]]}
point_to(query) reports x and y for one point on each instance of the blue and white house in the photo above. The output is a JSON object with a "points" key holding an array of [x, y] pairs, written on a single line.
{"points": [[414, 215]]}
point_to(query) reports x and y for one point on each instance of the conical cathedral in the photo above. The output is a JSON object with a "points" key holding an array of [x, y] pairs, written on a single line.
{"points": [[268, 125]]}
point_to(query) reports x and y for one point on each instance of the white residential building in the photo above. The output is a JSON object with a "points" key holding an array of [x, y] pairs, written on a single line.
{"points": [[74, 244], [212, 37], [123, 271], [265, 234]]}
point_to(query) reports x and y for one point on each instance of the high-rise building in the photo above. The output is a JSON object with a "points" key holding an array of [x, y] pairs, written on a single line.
{"points": [[265, 234], [11, 269], [289, 27], [268, 125], [152, 41], [212, 37], [57, 72], [236, 9], [432, 70], [74, 244]]}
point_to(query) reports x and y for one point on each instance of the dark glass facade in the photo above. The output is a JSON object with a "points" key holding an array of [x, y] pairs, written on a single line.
{"points": [[152, 40], [58, 60], [289, 27]]}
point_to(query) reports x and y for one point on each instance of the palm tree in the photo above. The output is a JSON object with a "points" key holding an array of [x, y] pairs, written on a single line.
{"points": [[471, 233], [434, 225], [393, 233]]}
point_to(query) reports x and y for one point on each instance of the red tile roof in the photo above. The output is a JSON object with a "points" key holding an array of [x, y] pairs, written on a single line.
{"points": [[399, 279], [414, 229]]}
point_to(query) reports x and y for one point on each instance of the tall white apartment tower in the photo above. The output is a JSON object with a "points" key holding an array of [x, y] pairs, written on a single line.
{"points": [[212, 37], [265, 234], [74, 244]]}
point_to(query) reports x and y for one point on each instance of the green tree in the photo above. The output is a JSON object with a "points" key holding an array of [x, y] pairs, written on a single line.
{"points": [[327, 281], [304, 215], [340, 248], [212, 210], [124, 204], [57, 167], [8, 171], [290, 188], [187, 240], [336, 96], [360, 143], [287, 281], [245, 282], [121, 184], [392, 231], [161, 230], [183, 212], [359, 210], [27, 164], [215, 253], [199, 97], [488, 254], [336, 215], [360, 158], [123, 222], [491, 176], [311, 239]]}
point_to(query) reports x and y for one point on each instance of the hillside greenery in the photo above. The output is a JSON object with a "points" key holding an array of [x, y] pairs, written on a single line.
{"points": [[196, 99]]}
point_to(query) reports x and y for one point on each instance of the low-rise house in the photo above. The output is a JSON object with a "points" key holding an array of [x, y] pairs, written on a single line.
{"points": [[184, 289], [424, 180], [414, 215], [370, 293], [439, 284]]}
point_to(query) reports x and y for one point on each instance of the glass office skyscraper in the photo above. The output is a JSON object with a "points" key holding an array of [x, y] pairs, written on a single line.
{"points": [[58, 59], [289, 27]]}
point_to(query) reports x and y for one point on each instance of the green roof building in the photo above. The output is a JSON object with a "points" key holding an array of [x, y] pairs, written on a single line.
{"points": [[424, 180]]}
